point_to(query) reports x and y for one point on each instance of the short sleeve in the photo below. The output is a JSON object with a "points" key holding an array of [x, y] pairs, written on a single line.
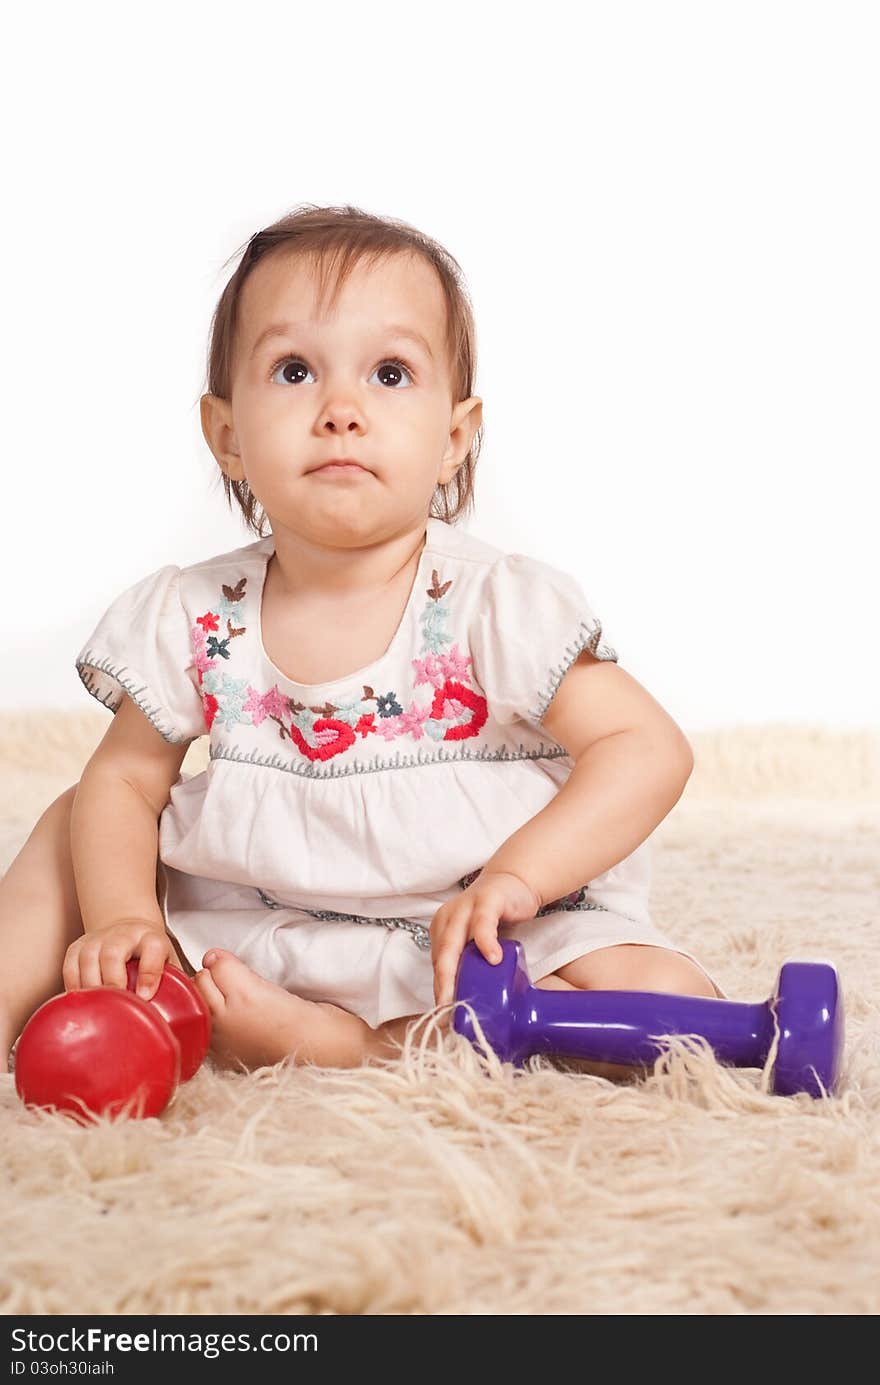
{"points": [[531, 624], [142, 646]]}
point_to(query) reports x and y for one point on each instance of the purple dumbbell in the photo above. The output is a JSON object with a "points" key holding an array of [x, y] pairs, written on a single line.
{"points": [[519, 1019]]}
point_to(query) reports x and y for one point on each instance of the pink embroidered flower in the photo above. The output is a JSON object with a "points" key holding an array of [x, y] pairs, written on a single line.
{"points": [[270, 704], [410, 723], [201, 658], [429, 670], [436, 669], [456, 663], [387, 727]]}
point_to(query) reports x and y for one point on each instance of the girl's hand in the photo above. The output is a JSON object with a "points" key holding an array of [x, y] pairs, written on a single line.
{"points": [[98, 958], [494, 897]]}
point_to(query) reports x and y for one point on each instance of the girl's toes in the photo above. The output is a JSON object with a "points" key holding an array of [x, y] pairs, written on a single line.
{"points": [[209, 991], [214, 954], [226, 970]]}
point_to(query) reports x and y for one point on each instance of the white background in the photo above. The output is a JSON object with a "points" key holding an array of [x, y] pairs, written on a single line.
{"points": [[668, 216]]}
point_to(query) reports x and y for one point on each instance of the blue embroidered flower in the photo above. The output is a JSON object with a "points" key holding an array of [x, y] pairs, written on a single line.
{"points": [[232, 609], [436, 728], [350, 712], [435, 637], [231, 695]]}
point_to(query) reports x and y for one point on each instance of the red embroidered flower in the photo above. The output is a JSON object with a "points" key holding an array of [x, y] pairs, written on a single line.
{"points": [[332, 736], [459, 693], [211, 705]]}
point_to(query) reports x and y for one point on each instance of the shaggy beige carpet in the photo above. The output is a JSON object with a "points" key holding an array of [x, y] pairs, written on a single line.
{"points": [[446, 1183]]}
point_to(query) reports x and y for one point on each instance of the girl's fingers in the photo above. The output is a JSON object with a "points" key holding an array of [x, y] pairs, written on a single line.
{"points": [[444, 977], [486, 938], [450, 933], [151, 965], [70, 971], [90, 967], [450, 948], [113, 968], [444, 980]]}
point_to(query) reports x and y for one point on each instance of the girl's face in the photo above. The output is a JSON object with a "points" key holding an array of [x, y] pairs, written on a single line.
{"points": [[307, 389]]}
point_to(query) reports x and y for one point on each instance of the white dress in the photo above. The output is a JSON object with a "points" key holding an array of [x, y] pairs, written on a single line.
{"points": [[334, 820]]}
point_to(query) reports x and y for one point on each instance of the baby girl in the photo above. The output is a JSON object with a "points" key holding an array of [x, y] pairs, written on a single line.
{"points": [[415, 739]]}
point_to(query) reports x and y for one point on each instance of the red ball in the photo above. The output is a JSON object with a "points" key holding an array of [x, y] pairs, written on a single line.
{"points": [[99, 1050], [181, 1005]]}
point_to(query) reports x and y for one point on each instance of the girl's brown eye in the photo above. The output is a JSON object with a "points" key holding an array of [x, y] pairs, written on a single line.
{"points": [[293, 364], [395, 364], [290, 366]]}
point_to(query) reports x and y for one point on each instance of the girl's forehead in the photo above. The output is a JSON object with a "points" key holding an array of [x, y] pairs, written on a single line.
{"points": [[399, 290]]}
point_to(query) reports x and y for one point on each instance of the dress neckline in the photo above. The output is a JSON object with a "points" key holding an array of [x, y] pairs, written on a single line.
{"points": [[315, 690]]}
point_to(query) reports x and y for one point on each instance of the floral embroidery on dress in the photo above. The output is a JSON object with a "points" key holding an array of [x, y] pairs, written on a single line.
{"points": [[455, 712]]}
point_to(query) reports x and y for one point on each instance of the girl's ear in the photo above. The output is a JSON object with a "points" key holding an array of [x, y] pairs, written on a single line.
{"points": [[466, 419], [219, 434]]}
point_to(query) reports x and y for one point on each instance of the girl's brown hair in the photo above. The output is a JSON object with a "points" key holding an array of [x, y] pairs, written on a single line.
{"points": [[338, 238]]}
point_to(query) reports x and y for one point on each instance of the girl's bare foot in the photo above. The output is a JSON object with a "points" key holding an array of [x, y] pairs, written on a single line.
{"points": [[256, 1023]]}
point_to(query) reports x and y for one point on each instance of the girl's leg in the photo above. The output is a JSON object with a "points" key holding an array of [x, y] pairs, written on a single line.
{"points": [[39, 919]]}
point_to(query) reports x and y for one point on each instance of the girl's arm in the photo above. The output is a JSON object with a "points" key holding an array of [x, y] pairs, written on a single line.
{"points": [[114, 845], [621, 787], [114, 824], [632, 762]]}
